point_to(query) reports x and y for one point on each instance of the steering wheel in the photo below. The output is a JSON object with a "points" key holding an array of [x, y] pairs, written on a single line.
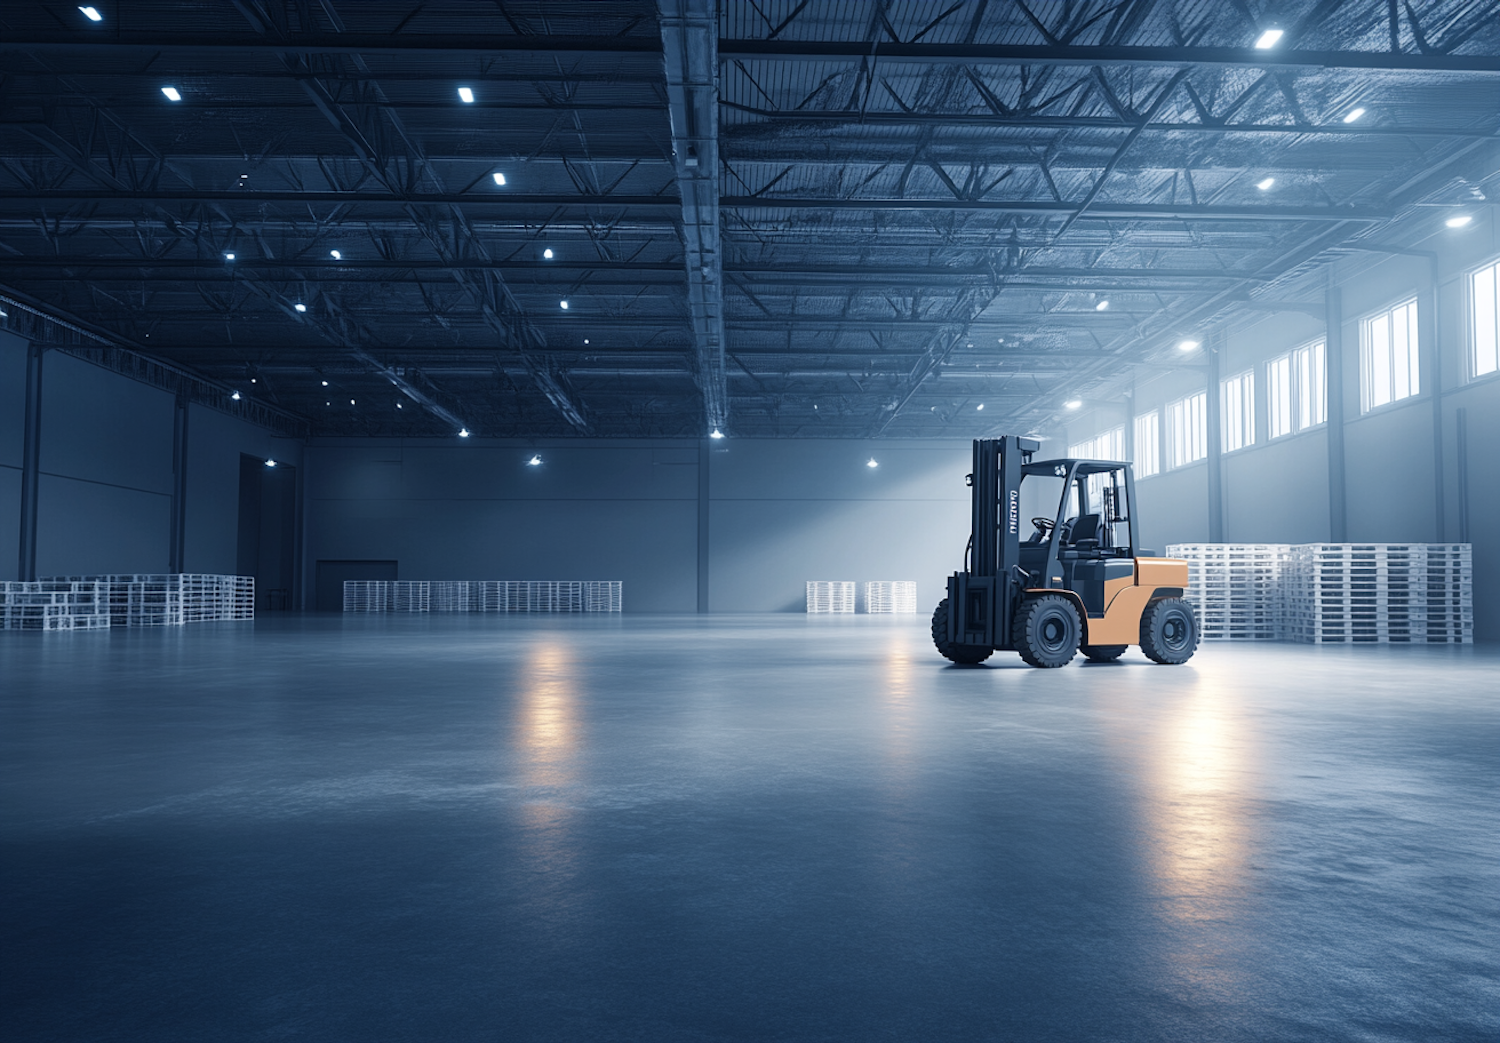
{"points": [[1044, 526]]}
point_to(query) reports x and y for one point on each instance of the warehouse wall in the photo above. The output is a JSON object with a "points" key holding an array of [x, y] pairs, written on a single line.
{"points": [[778, 514], [1278, 492], [104, 489]]}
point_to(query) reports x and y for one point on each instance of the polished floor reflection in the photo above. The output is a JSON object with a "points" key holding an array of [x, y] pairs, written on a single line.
{"points": [[685, 828]]}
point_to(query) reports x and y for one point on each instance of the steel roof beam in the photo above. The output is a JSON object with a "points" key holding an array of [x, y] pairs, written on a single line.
{"points": [[254, 198], [689, 31], [1097, 211], [1065, 54], [437, 45]]}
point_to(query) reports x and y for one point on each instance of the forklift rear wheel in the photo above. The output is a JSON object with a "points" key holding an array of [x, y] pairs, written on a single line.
{"points": [[1169, 631], [1047, 631], [968, 655], [1103, 653]]}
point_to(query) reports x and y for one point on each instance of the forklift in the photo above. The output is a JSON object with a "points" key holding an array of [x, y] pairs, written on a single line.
{"points": [[1078, 582]]}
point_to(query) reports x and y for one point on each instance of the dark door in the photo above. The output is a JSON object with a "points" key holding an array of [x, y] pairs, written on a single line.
{"points": [[331, 576]]}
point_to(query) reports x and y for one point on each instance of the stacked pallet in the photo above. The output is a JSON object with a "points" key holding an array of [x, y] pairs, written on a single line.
{"points": [[830, 596], [482, 595], [1235, 588], [898, 597], [145, 600], [1351, 593], [54, 605]]}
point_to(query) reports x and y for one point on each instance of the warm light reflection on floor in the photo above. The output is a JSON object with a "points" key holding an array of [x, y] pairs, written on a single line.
{"points": [[1195, 771], [549, 734], [897, 706]]}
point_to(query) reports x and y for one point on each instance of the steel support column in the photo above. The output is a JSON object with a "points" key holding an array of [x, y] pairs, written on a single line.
{"points": [[1213, 420], [179, 484], [30, 460], [689, 32], [1333, 338], [704, 504]]}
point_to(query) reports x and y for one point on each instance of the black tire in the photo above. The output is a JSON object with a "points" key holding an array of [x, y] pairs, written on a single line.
{"points": [[1047, 630], [1103, 653], [968, 655], [1169, 631]]}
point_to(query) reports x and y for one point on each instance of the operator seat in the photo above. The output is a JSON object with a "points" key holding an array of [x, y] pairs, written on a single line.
{"points": [[1087, 527]]}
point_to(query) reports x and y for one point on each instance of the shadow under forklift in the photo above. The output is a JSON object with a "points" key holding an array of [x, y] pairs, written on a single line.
{"points": [[1078, 582]]}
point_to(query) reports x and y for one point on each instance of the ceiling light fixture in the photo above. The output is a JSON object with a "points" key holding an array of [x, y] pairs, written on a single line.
{"points": [[1101, 306], [1187, 345], [716, 433], [466, 96], [1354, 114], [563, 305], [1268, 39], [1265, 183], [92, 14], [235, 396], [1073, 404], [398, 405], [499, 177], [172, 93], [872, 462], [585, 340], [1459, 221], [270, 463], [300, 307], [325, 383], [980, 407], [535, 461], [335, 255], [229, 257], [463, 432], [547, 253]]}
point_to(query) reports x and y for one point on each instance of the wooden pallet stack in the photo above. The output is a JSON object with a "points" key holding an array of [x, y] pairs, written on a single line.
{"points": [[830, 596], [895, 597], [171, 599], [54, 605], [1377, 593], [1235, 588], [483, 595]]}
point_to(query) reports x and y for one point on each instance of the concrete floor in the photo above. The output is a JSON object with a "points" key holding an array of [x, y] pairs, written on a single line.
{"points": [[662, 829]]}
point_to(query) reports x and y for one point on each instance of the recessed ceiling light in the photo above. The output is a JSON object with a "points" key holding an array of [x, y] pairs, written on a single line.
{"points": [[585, 340], [244, 176], [872, 462], [466, 96], [1101, 306], [563, 305], [335, 255], [1073, 404], [499, 177], [229, 257], [463, 432], [351, 401], [1459, 221], [716, 433], [171, 93], [1354, 114], [547, 253], [235, 396], [270, 463], [1187, 345], [1265, 183], [398, 405], [1268, 39], [300, 307], [325, 383], [253, 380], [980, 407], [92, 14], [535, 461]]}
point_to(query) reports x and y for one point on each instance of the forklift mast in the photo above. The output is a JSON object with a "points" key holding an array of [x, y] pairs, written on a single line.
{"points": [[983, 595]]}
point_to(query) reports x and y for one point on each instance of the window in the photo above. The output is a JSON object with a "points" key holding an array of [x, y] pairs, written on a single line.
{"points": [[1237, 411], [1147, 445], [1187, 429], [1484, 317], [1296, 390], [1108, 446], [1388, 349]]}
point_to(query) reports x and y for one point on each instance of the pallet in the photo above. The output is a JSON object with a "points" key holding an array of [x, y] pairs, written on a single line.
{"points": [[830, 597], [894, 597]]}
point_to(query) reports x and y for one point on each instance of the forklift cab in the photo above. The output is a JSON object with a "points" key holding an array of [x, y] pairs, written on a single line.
{"points": [[1089, 538]]}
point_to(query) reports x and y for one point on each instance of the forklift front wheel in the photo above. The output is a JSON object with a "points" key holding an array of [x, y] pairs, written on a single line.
{"points": [[1047, 630], [968, 655]]}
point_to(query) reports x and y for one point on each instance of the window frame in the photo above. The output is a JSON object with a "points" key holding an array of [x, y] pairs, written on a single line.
{"points": [[1153, 443], [1471, 318], [1198, 437], [1367, 355], [1244, 409], [1296, 391]]}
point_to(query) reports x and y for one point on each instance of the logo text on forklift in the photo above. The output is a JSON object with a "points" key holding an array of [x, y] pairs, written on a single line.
{"points": [[1015, 511]]}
